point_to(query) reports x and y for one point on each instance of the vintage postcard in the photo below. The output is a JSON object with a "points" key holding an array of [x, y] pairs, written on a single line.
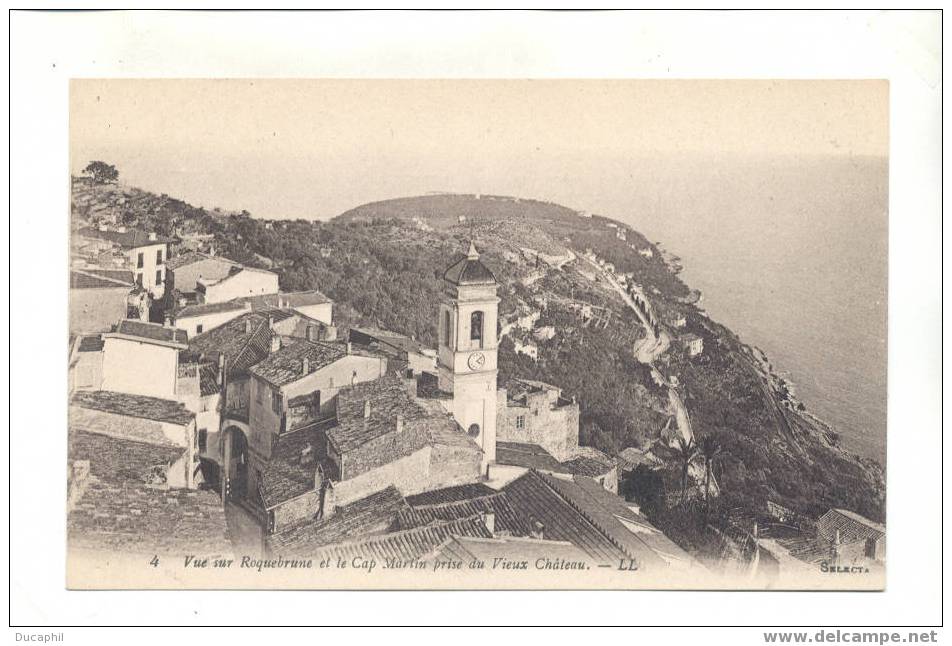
{"points": [[477, 334]]}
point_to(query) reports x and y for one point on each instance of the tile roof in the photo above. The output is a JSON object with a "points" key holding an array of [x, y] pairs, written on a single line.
{"points": [[529, 456], [374, 514], [533, 496], [242, 347], [128, 239], [411, 544], [468, 548], [185, 259], [201, 309], [208, 379], [100, 278], [507, 519], [388, 398], [852, 526], [291, 470], [450, 494], [393, 339], [151, 332], [587, 466], [603, 511], [119, 511], [160, 410], [533, 456], [289, 299], [286, 365]]}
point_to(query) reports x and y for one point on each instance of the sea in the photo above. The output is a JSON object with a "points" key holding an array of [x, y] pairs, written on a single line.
{"points": [[791, 254]]}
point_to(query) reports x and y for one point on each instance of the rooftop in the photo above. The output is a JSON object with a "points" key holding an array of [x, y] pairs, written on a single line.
{"points": [[90, 278], [852, 526], [190, 258], [507, 519], [128, 239], [387, 397], [160, 410], [244, 340], [121, 512], [288, 299], [529, 456], [154, 332], [292, 468], [468, 548], [202, 309], [286, 365], [450, 494], [371, 515], [90, 343], [469, 270], [412, 544]]}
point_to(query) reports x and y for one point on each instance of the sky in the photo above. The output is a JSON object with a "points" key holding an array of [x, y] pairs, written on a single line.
{"points": [[313, 149]]}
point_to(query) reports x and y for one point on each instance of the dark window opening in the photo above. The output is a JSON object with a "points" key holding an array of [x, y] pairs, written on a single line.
{"points": [[446, 328], [476, 328], [199, 328], [474, 430], [202, 439], [158, 277], [158, 256], [140, 263]]}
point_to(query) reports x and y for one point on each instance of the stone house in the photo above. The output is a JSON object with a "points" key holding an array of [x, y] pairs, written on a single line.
{"points": [[184, 271], [534, 412], [853, 538]]}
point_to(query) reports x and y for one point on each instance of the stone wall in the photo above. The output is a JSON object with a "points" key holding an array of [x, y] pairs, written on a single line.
{"points": [[382, 450], [297, 509], [410, 475], [453, 465], [546, 422]]}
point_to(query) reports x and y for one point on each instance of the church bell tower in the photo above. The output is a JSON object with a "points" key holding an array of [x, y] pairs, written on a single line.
{"points": [[467, 349]]}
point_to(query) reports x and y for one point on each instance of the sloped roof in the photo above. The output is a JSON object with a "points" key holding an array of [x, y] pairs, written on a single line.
{"points": [[371, 515], [388, 398], [507, 519], [121, 512], [533, 496], [160, 410], [292, 468], [450, 494], [529, 456], [469, 270], [190, 258], [412, 544], [151, 332], [89, 278], [287, 364], [852, 526], [242, 347], [128, 239], [202, 309], [468, 548]]}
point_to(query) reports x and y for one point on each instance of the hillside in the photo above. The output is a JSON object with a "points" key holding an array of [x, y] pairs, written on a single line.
{"points": [[382, 264]]}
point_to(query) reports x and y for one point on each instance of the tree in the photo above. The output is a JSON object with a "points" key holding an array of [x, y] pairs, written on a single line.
{"points": [[686, 453], [709, 449], [101, 172]]}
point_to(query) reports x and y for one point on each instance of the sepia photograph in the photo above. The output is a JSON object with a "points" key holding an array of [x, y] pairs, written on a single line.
{"points": [[478, 333], [430, 319]]}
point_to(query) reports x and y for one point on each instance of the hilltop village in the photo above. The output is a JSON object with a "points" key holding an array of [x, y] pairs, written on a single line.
{"points": [[213, 412]]}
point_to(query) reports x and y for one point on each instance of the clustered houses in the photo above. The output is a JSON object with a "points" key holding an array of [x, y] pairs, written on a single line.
{"points": [[369, 442]]}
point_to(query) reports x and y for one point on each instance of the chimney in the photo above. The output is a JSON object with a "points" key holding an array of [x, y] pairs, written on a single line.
{"points": [[538, 530], [247, 326], [152, 236], [167, 322], [399, 423], [366, 408], [489, 519], [305, 367], [275, 343], [221, 369], [270, 322], [350, 348]]}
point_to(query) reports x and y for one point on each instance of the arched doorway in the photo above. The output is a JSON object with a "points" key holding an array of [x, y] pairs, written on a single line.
{"points": [[234, 463]]}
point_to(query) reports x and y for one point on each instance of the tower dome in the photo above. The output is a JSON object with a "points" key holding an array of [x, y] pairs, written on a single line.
{"points": [[469, 270]]}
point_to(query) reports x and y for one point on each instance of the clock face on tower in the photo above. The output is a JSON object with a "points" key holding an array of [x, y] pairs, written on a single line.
{"points": [[476, 361]]}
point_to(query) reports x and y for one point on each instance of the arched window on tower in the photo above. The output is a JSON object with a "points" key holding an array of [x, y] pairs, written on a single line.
{"points": [[446, 328], [476, 328]]}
